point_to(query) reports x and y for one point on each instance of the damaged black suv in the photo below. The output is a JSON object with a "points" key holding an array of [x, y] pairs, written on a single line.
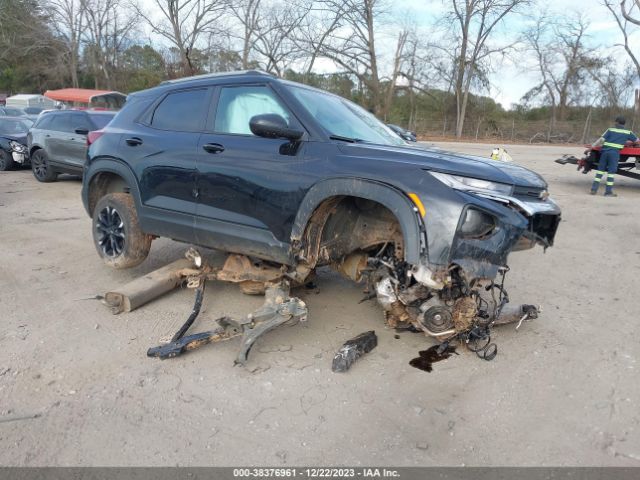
{"points": [[251, 164]]}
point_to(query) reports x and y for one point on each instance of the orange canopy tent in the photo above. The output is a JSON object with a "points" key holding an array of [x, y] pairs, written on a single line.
{"points": [[93, 98]]}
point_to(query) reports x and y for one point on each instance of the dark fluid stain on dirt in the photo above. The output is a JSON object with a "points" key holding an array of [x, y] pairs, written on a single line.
{"points": [[430, 356]]}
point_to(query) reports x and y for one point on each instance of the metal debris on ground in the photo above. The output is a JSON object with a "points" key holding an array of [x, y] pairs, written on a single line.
{"points": [[252, 277], [354, 349], [278, 309], [462, 311]]}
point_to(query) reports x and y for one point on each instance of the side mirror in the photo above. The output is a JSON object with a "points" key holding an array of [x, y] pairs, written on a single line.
{"points": [[81, 131], [272, 125]]}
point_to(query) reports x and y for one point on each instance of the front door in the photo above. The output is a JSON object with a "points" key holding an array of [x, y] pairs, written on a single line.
{"points": [[248, 186]]}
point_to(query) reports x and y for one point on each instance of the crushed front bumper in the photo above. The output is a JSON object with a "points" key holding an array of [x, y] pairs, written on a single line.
{"points": [[19, 157], [519, 224]]}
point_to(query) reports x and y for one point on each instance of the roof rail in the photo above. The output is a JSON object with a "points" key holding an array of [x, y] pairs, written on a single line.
{"points": [[216, 75]]}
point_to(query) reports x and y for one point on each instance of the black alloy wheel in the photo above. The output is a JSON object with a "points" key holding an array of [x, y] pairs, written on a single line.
{"points": [[110, 232], [41, 168]]}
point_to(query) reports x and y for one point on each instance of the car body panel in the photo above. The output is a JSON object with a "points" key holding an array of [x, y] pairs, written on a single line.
{"points": [[256, 195]]}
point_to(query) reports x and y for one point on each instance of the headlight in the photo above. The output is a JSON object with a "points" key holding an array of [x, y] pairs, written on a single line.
{"points": [[477, 224], [17, 147], [473, 184]]}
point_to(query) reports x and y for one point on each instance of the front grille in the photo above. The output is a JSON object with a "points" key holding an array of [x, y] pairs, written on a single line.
{"points": [[545, 226], [527, 192]]}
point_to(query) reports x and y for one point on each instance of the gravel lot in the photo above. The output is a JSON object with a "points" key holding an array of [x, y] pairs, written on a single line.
{"points": [[76, 387]]}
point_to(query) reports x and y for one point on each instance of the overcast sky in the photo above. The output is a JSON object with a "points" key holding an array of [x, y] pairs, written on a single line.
{"points": [[514, 75]]}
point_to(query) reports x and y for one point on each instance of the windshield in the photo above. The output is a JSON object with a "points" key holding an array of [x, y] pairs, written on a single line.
{"points": [[342, 118], [15, 127]]}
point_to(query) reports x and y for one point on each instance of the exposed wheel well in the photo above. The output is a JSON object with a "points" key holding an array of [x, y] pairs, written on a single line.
{"points": [[102, 184], [342, 225], [33, 150]]}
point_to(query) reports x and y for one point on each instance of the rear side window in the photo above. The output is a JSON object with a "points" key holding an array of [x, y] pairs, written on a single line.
{"points": [[60, 123], [78, 120], [101, 121], [181, 111]]}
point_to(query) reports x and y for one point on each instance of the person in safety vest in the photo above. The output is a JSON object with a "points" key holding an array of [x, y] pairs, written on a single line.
{"points": [[612, 142]]}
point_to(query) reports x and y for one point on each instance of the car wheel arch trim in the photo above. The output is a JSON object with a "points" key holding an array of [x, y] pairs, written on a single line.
{"points": [[112, 166], [399, 204]]}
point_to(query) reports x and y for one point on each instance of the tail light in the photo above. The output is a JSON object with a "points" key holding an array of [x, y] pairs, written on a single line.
{"points": [[93, 136]]}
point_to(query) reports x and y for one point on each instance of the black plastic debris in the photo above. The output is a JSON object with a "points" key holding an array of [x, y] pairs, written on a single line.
{"points": [[354, 349]]}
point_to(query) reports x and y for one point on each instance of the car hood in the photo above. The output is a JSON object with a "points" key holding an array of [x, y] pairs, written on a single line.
{"points": [[18, 138], [449, 162]]}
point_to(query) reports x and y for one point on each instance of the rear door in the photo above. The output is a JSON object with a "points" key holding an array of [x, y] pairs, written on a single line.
{"points": [[76, 143], [161, 148]]}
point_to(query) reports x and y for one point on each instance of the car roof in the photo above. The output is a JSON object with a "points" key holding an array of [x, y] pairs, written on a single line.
{"points": [[219, 75], [247, 76], [15, 118], [71, 110], [206, 79]]}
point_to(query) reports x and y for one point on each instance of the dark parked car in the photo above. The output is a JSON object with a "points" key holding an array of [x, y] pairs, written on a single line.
{"points": [[402, 133], [13, 141], [255, 165], [58, 141]]}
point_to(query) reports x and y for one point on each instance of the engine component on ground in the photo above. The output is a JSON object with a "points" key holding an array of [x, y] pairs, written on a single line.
{"points": [[464, 313], [437, 320], [353, 349]]}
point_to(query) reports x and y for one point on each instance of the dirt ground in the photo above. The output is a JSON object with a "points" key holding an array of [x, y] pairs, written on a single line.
{"points": [[76, 387]]}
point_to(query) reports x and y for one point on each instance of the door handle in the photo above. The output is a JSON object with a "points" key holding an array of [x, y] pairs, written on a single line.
{"points": [[133, 141], [213, 148]]}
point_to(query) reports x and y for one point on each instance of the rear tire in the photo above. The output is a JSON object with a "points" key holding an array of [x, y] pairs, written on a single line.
{"points": [[6, 162], [117, 235], [41, 168]]}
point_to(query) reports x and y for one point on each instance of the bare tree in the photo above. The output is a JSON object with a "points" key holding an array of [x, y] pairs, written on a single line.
{"points": [[108, 25], [247, 12], [624, 29], [626, 13], [398, 63], [69, 22], [269, 32], [274, 40], [474, 22], [314, 30], [352, 44], [184, 23], [563, 62]]}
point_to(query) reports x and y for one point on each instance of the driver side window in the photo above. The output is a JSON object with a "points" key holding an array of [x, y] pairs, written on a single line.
{"points": [[237, 105]]}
